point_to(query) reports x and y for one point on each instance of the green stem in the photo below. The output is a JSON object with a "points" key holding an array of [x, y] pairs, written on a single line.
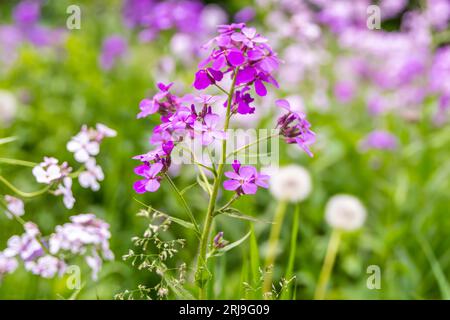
{"points": [[201, 261], [185, 205], [273, 244], [16, 162], [229, 203], [293, 250], [22, 193], [328, 263], [252, 144]]}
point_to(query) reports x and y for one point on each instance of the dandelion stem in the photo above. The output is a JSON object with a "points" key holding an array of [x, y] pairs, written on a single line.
{"points": [[273, 244], [22, 193], [328, 263], [201, 261]]}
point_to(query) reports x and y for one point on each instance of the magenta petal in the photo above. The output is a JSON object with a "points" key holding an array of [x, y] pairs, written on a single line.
{"points": [[217, 75], [260, 88], [249, 188], [231, 185], [237, 36], [202, 80], [152, 185], [141, 169], [139, 186], [236, 58], [219, 62], [247, 172], [255, 54], [246, 75], [232, 175], [262, 181], [211, 120], [282, 103], [155, 169]]}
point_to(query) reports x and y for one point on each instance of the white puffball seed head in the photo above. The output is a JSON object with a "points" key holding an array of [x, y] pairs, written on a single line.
{"points": [[345, 212], [291, 183]]}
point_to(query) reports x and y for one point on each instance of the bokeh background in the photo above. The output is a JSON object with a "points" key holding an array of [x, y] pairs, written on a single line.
{"points": [[350, 80]]}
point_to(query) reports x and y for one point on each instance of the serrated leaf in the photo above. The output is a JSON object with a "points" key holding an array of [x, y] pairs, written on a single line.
{"points": [[228, 247]]}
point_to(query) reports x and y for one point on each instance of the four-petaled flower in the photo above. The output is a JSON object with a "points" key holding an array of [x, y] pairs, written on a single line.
{"points": [[150, 173], [90, 177], [83, 146], [209, 130], [245, 179]]}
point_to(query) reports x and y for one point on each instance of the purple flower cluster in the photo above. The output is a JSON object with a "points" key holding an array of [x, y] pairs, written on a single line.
{"points": [[244, 179], [26, 28], [154, 16], [295, 128], [178, 122], [85, 236], [244, 54]]}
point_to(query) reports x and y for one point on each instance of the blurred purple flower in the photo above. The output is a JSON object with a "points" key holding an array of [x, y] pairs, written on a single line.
{"points": [[114, 47], [381, 140], [245, 15]]}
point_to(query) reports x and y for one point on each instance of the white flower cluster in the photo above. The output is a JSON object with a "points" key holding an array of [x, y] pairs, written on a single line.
{"points": [[85, 146]]}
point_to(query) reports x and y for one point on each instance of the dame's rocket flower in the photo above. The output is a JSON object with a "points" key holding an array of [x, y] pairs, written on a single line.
{"points": [[92, 175], [83, 146], [86, 143], [65, 189], [49, 171], [295, 128], [151, 181], [241, 51], [381, 140], [7, 264], [208, 131], [14, 206], [245, 179], [114, 47]]}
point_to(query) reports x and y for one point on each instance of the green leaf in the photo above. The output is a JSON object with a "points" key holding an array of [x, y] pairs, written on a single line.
{"points": [[228, 247], [254, 255], [7, 140], [206, 187], [188, 188], [235, 213], [182, 223]]}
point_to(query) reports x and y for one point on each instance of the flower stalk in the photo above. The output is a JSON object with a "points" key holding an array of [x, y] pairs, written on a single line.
{"points": [[273, 244], [328, 263], [203, 246]]}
